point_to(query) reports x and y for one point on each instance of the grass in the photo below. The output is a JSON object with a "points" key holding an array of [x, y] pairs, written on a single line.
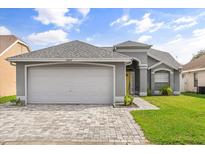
{"points": [[180, 120], [6, 99]]}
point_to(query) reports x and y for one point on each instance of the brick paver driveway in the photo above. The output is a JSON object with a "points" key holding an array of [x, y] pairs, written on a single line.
{"points": [[68, 124]]}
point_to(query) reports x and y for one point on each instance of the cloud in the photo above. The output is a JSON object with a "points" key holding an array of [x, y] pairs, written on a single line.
{"points": [[143, 25], [84, 11], [58, 17], [184, 47], [147, 24], [184, 23], [184, 20], [92, 38], [122, 20], [4, 31], [144, 38], [88, 39], [50, 37]]}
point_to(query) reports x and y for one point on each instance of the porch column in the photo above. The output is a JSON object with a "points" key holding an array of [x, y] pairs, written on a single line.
{"points": [[171, 78], [143, 80], [152, 82]]}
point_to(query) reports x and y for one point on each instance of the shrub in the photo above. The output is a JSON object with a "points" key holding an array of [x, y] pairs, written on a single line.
{"points": [[166, 91], [6, 99], [17, 102], [128, 100], [149, 92]]}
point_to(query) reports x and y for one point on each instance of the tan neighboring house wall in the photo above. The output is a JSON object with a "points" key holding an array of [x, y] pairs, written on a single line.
{"points": [[188, 80], [7, 71], [201, 78]]}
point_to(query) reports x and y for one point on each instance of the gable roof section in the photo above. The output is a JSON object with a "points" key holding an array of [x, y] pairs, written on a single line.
{"points": [[163, 57], [74, 50], [7, 41], [132, 44], [160, 56], [195, 64]]}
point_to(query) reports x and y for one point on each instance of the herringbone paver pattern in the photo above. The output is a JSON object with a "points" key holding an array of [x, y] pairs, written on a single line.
{"points": [[68, 124]]}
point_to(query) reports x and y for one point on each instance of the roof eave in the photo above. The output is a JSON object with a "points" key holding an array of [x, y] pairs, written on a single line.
{"points": [[193, 70], [133, 47], [69, 59]]}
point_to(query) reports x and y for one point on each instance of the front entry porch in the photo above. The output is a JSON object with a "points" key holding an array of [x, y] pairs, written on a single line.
{"points": [[136, 79]]}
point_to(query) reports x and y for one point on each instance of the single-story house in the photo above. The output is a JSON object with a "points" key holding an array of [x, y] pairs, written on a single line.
{"points": [[80, 73], [10, 45], [193, 75]]}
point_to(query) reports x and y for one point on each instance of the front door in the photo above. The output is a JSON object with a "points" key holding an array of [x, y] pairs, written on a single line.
{"points": [[130, 82]]}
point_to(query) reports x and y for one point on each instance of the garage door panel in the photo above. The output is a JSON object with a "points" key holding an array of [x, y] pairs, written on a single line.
{"points": [[82, 85]]}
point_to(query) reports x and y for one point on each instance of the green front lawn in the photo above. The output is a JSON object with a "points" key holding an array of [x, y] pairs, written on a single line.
{"points": [[6, 99], [180, 120]]}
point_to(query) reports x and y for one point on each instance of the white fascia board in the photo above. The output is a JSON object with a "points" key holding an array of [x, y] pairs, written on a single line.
{"points": [[37, 60], [194, 70], [74, 60], [17, 41], [24, 44], [100, 60]]}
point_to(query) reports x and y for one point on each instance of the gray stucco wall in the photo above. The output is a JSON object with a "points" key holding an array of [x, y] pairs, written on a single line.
{"points": [[141, 55], [174, 78], [119, 78], [140, 71], [20, 79], [144, 76]]}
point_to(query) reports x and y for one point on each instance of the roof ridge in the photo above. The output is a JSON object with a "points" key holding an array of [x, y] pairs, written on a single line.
{"points": [[130, 41]]}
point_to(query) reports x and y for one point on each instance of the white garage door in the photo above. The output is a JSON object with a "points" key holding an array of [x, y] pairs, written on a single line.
{"points": [[70, 85]]}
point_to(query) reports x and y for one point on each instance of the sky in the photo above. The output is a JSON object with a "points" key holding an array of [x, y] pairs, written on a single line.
{"points": [[181, 32]]}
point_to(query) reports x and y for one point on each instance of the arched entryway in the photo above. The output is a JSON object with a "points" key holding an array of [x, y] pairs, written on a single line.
{"points": [[133, 78]]}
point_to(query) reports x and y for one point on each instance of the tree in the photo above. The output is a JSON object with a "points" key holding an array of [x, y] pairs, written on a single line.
{"points": [[198, 54]]}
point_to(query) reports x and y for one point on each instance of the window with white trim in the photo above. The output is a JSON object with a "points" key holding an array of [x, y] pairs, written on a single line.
{"points": [[161, 77]]}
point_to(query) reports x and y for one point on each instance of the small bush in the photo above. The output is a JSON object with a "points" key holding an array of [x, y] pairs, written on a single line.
{"points": [[166, 91], [17, 102], [6, 99], [128, 100], [149, 92]]}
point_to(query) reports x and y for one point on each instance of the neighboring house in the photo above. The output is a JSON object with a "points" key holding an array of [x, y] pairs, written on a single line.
{"points": [[80, 73], [193, 75], [10, 45]]}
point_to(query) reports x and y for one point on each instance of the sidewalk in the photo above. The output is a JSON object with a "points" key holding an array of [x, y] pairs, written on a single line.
{"points": [[144, 105]]}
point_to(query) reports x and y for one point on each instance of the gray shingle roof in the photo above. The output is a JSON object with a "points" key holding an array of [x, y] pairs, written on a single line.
{"points": [[165, 57], [71, 50], [81, 50], [132, 44], [108, 48]]}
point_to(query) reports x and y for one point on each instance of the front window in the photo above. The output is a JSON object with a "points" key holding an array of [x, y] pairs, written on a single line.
{"points": [[161, 77], [195, 80]]}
